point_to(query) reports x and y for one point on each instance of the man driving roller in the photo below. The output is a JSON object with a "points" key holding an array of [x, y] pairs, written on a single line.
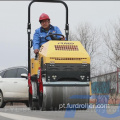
{"points": [[45, 29]]}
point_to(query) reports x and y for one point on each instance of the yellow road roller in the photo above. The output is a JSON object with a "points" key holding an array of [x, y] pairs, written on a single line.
{"points": [[60, 73]]}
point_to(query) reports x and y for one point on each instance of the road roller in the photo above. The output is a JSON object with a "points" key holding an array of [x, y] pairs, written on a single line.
{"points": [[60, 73]]}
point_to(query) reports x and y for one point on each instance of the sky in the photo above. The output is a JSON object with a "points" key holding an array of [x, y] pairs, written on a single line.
{"points": [[13, 23]]}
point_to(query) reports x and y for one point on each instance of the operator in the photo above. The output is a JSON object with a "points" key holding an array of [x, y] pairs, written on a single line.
{"points": [[43, 31]]}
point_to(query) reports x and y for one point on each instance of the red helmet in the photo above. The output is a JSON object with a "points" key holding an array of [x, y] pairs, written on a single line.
{"points": [[44, 16]]}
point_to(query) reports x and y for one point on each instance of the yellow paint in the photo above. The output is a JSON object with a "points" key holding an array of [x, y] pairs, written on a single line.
{"points": [[48, 51], [34, 66], [90, 88]]}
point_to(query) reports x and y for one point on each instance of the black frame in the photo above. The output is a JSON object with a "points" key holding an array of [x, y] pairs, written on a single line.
{"points": [[29, 25]]}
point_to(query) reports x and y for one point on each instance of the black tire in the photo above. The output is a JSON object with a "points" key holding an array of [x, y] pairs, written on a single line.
{"points": [[35, 104], [2, 103], [30, 100]]}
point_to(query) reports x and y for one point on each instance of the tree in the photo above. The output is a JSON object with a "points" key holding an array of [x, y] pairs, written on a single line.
{"points": [[112, 41], [89, 38]]}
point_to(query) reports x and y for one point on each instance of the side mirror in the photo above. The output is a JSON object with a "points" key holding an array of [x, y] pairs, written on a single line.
{"points": [[23, 75]]}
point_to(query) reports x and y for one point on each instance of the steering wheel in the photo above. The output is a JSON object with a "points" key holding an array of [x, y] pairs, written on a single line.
{"points": [[54, 38]]}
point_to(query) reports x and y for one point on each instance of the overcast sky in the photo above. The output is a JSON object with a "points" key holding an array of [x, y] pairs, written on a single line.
{"points": [[13, 23]]}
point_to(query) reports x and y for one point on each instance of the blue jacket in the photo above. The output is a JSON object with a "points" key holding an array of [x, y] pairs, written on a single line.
{"points": [[40, 34]]}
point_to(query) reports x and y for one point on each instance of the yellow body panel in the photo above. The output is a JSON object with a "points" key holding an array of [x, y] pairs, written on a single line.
{"points": [[64, 52], [60, 52], [34, 66]]}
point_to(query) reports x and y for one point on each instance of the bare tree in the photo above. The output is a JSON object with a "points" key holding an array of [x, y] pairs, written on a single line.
{"points": [[89, 38], [112, 41]]}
